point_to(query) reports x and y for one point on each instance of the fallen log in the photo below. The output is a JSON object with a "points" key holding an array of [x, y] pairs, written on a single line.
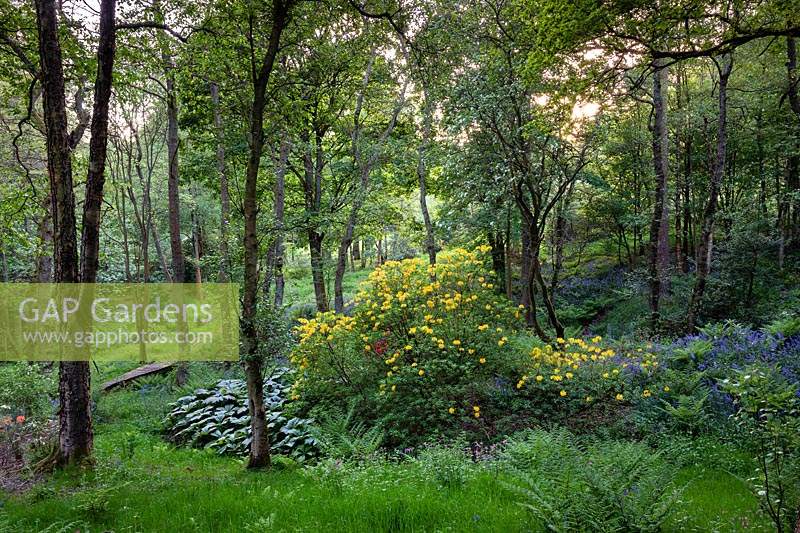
{"points": [[136, 373]]}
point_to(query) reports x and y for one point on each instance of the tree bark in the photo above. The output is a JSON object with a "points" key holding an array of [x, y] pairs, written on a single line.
{"points": [[659, 225], [529, 283], [422, 174], [687, 246], [793, 171], [95, 179], [548, 302], [173, 183], [75, 421], [709, 214], [315, 239], [44, 263], [280, 200], [224, 196], [507, 253], [197, 241], [259, 445]]}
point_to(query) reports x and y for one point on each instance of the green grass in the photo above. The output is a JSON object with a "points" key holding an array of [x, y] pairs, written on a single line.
{"points": [[300, 290], [141, 483], [159, 488], [718, 501]]}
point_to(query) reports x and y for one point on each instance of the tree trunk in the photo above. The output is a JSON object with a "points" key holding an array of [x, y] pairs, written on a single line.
{"points": [[559, 235], [224, 196], [44, 263], [365, 166], [529, 283], [173, 184], [317, 269], [793, 173], [280, 195], [197, 245], [75, 421], [363, 255], [95, 179], [422, 175], [4, 258], [659, 226], [552, 317], [162, 258], [507, 254], [687, 245], [709, 214], [123, 224], [259, 446]]}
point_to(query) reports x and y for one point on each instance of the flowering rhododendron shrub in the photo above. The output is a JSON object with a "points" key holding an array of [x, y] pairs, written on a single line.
{"points": [[574, 371], [422, 352]]}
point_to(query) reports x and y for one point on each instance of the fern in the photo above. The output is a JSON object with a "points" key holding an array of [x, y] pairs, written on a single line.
{"points": [[341, 438], [602, 486]]}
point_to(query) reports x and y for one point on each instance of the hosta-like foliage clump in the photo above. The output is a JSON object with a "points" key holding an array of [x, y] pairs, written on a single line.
{"points": [[217, 418]]}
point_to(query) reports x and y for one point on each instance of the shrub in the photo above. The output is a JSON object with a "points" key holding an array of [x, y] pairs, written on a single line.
{"points": [[218, 419], [423, 353], [769, 414], [27, 389], [579, 376]]}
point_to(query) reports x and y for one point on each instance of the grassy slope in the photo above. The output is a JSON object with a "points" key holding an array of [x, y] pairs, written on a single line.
{"points": [[159, 488], [143, 484]]}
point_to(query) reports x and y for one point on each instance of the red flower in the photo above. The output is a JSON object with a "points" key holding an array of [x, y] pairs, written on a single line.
{"points": [[380, 346], [20, 419]]}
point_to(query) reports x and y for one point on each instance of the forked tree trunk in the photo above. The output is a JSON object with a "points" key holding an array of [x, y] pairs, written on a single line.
{"points": [[709, 214], [552, 317], [529, 284], [95, 179], [75, 421]]}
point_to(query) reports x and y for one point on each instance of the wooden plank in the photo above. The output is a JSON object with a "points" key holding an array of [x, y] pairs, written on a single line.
{"points": [[136, 373]]}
